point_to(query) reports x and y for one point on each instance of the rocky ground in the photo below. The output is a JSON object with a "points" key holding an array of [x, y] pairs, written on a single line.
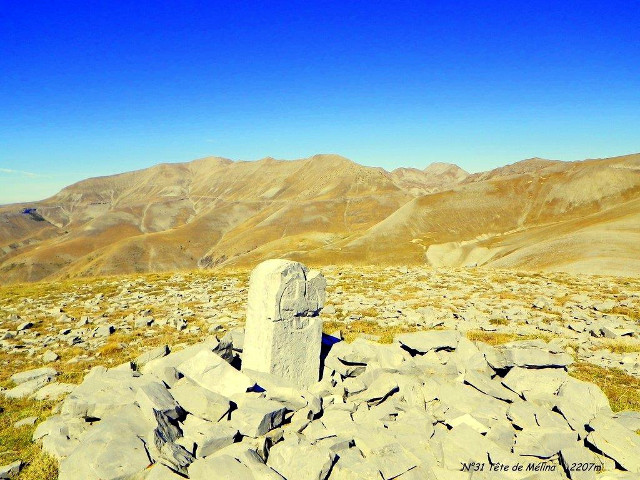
{"points": [[494, 397]]}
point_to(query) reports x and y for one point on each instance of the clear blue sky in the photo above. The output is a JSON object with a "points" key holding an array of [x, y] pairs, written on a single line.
{"points": [[94, 88]]}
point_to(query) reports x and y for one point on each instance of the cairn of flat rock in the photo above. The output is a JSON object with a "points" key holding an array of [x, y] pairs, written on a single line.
{"points": [[283, 333]]}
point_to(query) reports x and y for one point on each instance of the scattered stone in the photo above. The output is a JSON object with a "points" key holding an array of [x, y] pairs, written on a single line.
{"points": [[29, 382], [150, 355], [104, 331], [202, 437], [423, 342], [50, 356], [257, 416], [24, 326], [11, 471], [213, 373], [153, 398], [411, 410], [199, 401], [54, 391], [616, 442], [25, 422], [297, 458], [23, 377]]}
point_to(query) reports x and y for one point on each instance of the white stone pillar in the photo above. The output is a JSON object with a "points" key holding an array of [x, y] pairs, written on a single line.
{"points": [[283, 333]]}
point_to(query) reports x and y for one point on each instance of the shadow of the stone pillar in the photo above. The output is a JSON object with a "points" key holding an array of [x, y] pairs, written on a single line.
{"points": [[328, 341]]}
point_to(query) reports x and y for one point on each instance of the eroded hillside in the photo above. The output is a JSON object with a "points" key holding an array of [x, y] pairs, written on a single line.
{"points": [[535, 214]]}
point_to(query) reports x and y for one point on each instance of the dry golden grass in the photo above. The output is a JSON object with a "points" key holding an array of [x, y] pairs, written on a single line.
{"points": [[622, 390], [496, 338], [620, 346], [491, 338], [368, 312], [632, 313], [508, 296], [110, 348], [16, 444], [41, 467], [499, 321], [354, 329]]}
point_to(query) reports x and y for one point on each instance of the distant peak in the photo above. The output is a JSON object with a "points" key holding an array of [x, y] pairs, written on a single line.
{"points": [[213, 159], [536, 159], [439, 168], [330, 156]]}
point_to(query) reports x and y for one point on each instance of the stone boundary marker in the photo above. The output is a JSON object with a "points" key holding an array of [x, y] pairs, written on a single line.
{"points": [[283, 331]]}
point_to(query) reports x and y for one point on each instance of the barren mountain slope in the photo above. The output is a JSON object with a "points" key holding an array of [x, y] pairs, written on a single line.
{"points": [[436, 177], [536, 214], [553, 208], [174, 216]]}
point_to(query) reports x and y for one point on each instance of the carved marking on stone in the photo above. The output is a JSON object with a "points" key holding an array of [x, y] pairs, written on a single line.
{"points": [[283, 331]]}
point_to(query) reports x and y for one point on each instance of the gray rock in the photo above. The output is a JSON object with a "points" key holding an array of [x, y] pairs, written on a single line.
{"points": [[352, 465], [248, 456], [220, 467], [165, 431], [536, 358], [423, 342], [54, 391], [393, 460], [28, 388], [110, 450], [199, 401], [299, 460], [150, 355], [629, 418], [55, 435], [535, 385], [25, 422], [104, 331], [50, 356], [213, 373], [604, 306], [488, 386], [154, 397], [143, 321], [283, 391], [256, 416], [379, 387], [580, 402], [616, 442], [11, 470], [84, 321], [26, 376], [236, 338], [362, 352], [157, 471], [577, 454], [176, 457], [543, 442], [541, 303], [101, 392], [203, 438], [463, 445]]}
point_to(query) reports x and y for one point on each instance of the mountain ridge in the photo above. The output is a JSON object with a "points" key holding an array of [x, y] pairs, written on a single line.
{"points": [[326, 208]]}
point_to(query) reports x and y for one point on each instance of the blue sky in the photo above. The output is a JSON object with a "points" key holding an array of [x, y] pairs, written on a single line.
{"points": [[95, 88]]}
